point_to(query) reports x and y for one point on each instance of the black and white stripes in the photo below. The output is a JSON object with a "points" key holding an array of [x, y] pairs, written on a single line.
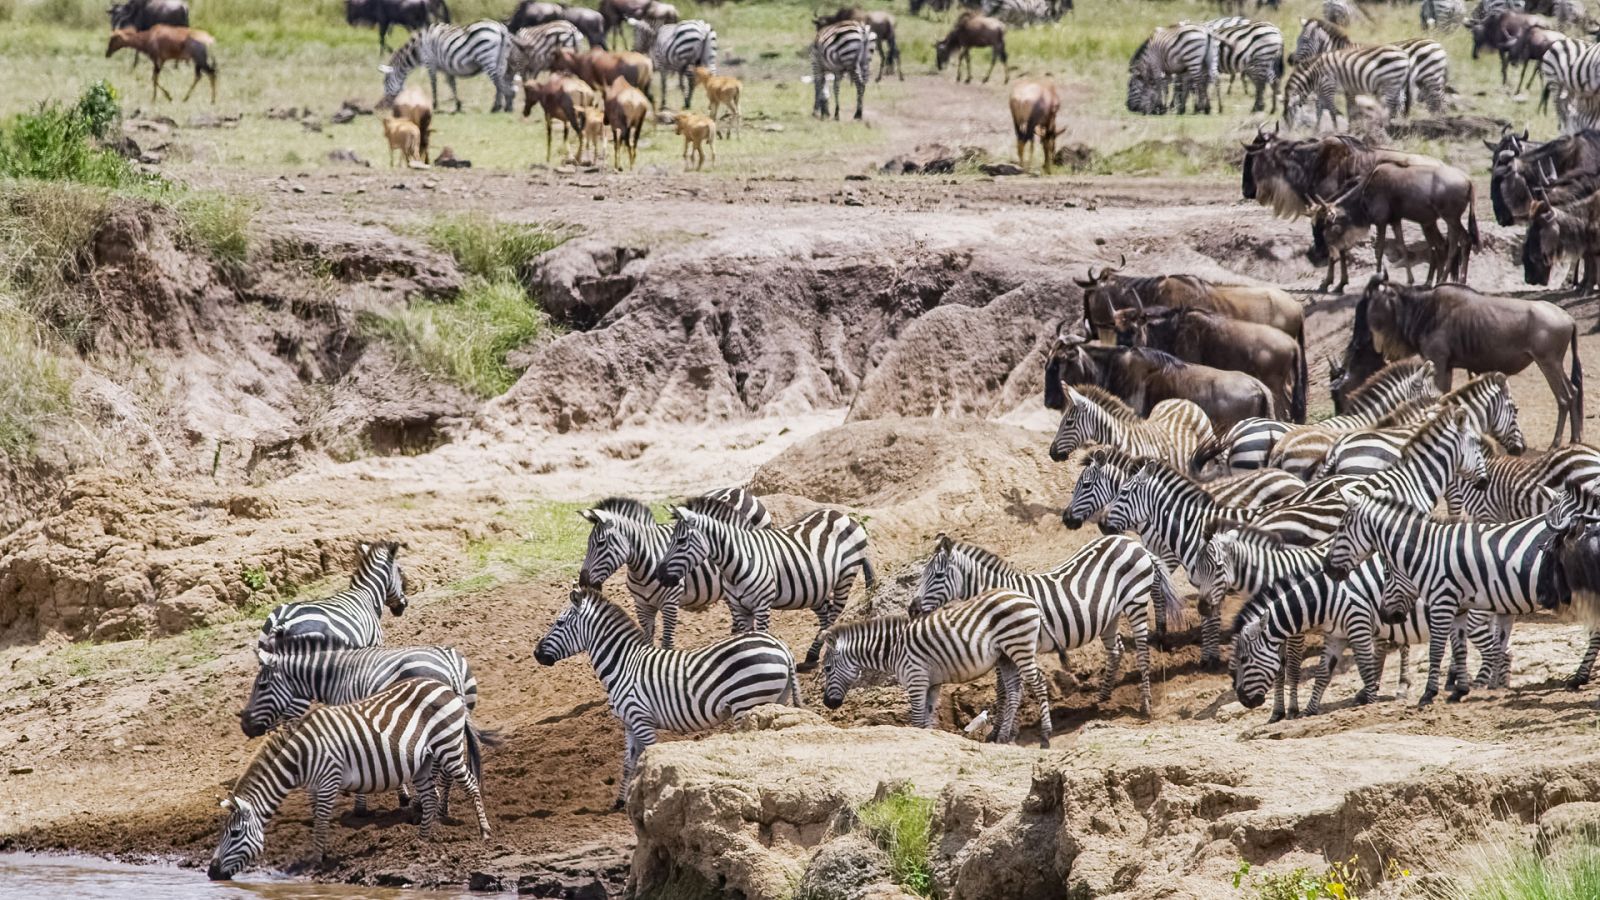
{"points": [[479, 48], [1185, 56], [349, 619], [843, 49], [677, 47]]}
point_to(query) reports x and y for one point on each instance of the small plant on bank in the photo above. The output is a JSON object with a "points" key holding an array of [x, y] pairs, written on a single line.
{"points": [[493, 250], [901, 824], [57, 142], [1505, 873], [255, 578], [1340, 881]]}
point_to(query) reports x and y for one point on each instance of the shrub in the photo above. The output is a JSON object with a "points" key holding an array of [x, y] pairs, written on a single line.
{"points": [[54, 143], [466, 341], [900, 823], [99, 109]]}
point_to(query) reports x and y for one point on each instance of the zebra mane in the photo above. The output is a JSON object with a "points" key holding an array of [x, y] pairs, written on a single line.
{"points": [[627, 508], [1117, 457], [1334, 31], [1255, 606], [977, 554], [1429, 428], [270, 746], [716, 509], [605, 610], [1393, 373], [1480, 384], [1253, 535], [1162, 468], [1111, 403], [1138, 54], [1406, 412]]}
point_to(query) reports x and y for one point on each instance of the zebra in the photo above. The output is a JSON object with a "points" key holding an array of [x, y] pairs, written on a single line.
{"points": [[1522, 486], [1251, 49], [1100, 481], [1317, 36], [1304, 448], [1442, 449], [1485, 399], [1083, 598], [1020, 12], [1453, 567], [840, 49], [349, 619], [1242, 557], [415, 731], [652, 688], [1381, 71], [1185, 54], [1442, 15], [1430, 73], [531, 49], [482, 47], [1244, 447], [1269, 637], [1091, 416], [1337, 12], [677, 47], [809, 564], [1577, 509], [625, 533], [1571, 69], [995, 631], [1427, 76]]}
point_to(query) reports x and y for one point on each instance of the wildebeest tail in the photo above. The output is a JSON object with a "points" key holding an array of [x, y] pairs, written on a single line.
{"points": [[1577, 381], [1302, 375], [1054, 396], [1472, 216]]}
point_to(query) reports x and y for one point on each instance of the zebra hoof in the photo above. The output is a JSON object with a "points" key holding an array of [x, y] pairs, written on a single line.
{"points": [[1275, 718], [1455, 696], [617, 806], [1427, 698], [1576, 683], [1294, 713]]}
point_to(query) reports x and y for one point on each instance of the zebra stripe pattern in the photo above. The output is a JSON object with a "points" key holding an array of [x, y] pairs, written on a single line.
{"points": [[810, 564], [626, 534], [1486, 400], [1453, 567], [416, 731], [1111, 579], [1430, 73], [996, 631], [1101, 478], [350, 619], [1443, 448], [1442, 15], [289, 681], [1187, 56], [532, 48], [1337, 12], [1520, 487], [1253, 50], [676, 690], [1383, 72], [678, 47], [480, 48], [1091, 416], [1019, 12], [1571, 70], [1244, 447], [841, 49], [1305, 448]]}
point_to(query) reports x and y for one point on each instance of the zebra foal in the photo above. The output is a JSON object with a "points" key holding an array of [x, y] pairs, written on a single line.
{"points": [[996, 631], [415, 731], [1091, 417], [677, 690], [350, 619]]}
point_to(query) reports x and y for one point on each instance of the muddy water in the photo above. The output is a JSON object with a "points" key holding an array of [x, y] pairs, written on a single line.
{"points": [[27, 876]]}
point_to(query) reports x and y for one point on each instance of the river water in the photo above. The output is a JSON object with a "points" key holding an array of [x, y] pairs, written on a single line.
{"points": [[29, 876]]}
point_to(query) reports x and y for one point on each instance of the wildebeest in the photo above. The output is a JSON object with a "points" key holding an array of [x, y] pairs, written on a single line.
{"points": [[616, 13], [142, 15], [882, 25], [1107, 291], [589, 22], [1287, 175], [1500, 31], [1520, 167], [1555, 231], [970, 32], [598, 68], [1206, 338], [1034, 105], [1529, 47], [385, 14], [1385, 197], [1142, 377], [1455, 327]]}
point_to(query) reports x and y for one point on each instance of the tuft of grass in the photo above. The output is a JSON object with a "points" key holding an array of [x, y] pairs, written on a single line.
{"points": [[218, 223], [543, 538], [497, 251], [35, 385], [60, 142], [1503, 873], [465, 341], [901, 824]]}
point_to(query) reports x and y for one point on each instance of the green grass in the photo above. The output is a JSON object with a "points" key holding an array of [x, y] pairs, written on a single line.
{"points": [[492, 250], [1501, 873], [101, 662], [901, 824], [35, 384], [542, 539], [218, 224], [465, 340]]}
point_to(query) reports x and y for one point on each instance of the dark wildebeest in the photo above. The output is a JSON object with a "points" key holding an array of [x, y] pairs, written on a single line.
{"points": [[1287, 175], [616, 13], [1361, 361], [1385, 197], [408, 14], [882, 25], [1209, 339], [938, 6], [1108, 291], [1034, 106], [970, 32], [1455, 327], [1521, 167], [1500, 32], [598, 68], [589, 22], [1572, 574], [1142, 377], [142, 15], [1529, 47], [1557, 230]]}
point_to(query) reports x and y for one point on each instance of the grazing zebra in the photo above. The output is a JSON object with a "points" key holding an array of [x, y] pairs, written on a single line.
{"points": [[416, 731], [1427, 77], [1184, 54], [1382, 71], [1091, 416], [1303, 450], [625, 533], [650, 688], [843, 48], [1020, 12], [1269, 645], [1442, 15], [1523, 486], [1241, 557], [1317, 36], [1251, 49], [349, 619], [480, 48], [1485, 399], [1337, 12], [1083, 598], [809, 564], [1453, 567], [677, 47], [996, 631], [1244, 447], [1430, 73], [532, 48], [1571, 69]]}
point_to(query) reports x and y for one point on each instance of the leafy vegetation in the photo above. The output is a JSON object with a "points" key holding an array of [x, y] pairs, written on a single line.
{"points": [[496, 251], [57, 142], [35, 389], [539, 539], [1339, 881], [901, 824], [466, 340]]}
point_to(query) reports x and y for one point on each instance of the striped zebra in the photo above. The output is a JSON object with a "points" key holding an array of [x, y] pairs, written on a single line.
{"points": [[652, 688], [1187, 56], [840, 49], [416, 731], [677, 47], [809, 564], [1442, 449], [1486, 400], [1453, 567], [1253, 50], [1523, 486], [1427, 75], [480, 48], [1110, 579], [995, 631], [1244, 447], [1303, 450], [1337, 12], [1571, 70], [626, 534], [1430, 73], [531, 49], [1100, 481], [1019, 12], [1442, 15], [1243, 558], [350, 619], [1382, 72], [1269, 637], [1091, 417], [1483, 9]]}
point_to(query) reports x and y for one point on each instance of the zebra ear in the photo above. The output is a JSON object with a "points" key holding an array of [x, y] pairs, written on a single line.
{"points": [[363, 548], [680, 512], [941, 543], [263, 657], [591, 515], [227, 803], [1351, 494], [386, 69]]}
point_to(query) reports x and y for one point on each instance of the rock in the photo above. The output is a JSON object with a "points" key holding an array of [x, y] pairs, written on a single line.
{"points": [[150, 159], [21, 770], [342, 117], [934, 159], [774, 127], [582, 279], [484, 881], [998, 169], [845, 868], [357, 105], [348, 155], [1075, 157], [126, 147], [446, 158], [1567, 825], [312, 125]]}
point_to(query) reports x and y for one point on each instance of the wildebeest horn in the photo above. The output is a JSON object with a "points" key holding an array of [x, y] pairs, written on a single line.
{"points": [[1122, 261], [1524, 131]]}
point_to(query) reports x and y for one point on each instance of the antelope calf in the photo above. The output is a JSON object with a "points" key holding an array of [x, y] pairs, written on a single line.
{"points": [[593, 134], [699, 132], [170, 43], [723, 91], [403, 135], [1034, 105], [414, 106], [626, 109]]}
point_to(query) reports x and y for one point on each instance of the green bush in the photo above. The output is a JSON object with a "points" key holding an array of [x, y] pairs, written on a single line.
{"points": [[466, 341], [99, 109], [492, 250], [901, 824], [55, 143]]}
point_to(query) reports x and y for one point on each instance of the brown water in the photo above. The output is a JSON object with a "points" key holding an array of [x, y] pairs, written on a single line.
{"points": [[29, 876]]}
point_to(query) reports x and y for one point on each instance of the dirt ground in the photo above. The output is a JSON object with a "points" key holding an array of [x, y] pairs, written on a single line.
{"points": [[126, 748]]}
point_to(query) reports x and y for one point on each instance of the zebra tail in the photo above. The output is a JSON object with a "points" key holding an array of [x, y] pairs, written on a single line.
{"points": [[794, 699], [1577, 379], [1297, 399], [870, 575], [477, 739], [1205, 453], [1169, 601], [1472, 216]]}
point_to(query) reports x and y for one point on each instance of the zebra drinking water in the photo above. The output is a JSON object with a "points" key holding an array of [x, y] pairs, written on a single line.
{"points": [[480, 48], [349, 619], [676, 690]]}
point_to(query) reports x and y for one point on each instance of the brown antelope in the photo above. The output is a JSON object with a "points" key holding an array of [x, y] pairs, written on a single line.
{"points": [[723, 90], [593, 135], [972, 30], [561, 96], [1034, 105], [626, 109], [413, 105], [170, 43], [404, 136], [700, 132], [598, 68]]}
